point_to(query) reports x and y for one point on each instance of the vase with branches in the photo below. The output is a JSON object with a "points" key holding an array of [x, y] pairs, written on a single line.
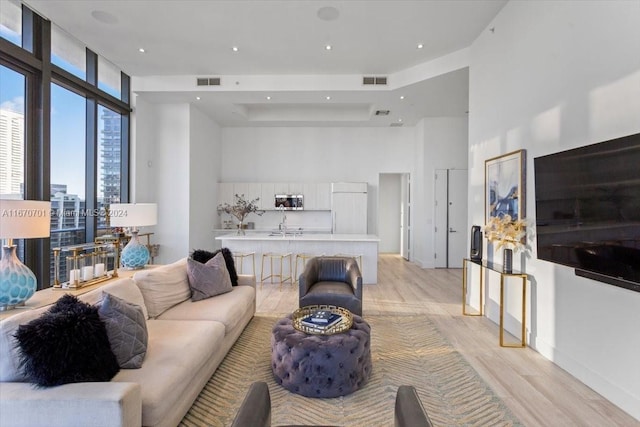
{"points": [[507, 233], [240, 209]]}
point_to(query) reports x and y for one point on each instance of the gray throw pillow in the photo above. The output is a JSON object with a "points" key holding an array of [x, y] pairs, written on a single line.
{"points": [[126, 329], [208, 280]]}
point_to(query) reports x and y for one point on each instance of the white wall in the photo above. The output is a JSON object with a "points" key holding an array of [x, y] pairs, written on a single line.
{"points": [[176, 162], [317, 155], [554, 76], [444, 146], [142, 187], [204, 173]]}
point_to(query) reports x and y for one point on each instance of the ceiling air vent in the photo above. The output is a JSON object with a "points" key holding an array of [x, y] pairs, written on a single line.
{"points": [[396, 125], [382, 112], [370, 80], [208, 81]]}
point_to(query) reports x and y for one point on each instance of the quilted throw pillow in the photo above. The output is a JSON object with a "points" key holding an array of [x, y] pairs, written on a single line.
{"points": [[208, 280], [67, 344], [126, 329]]}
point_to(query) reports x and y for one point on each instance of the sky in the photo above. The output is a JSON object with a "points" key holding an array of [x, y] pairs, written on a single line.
{"points": [[67, 128]]}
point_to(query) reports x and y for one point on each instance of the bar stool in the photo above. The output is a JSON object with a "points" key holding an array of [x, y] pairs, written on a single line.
{"points": [[304, 257], [239, 259], [358, 258], [281, 257]]}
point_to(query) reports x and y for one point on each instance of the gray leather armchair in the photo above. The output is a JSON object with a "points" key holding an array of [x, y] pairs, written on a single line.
{"points": [[333, 281], [255, 410]]}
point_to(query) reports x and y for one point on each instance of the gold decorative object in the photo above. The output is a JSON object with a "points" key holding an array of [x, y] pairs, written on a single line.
{"points": [[342, 326], [83, 265]]}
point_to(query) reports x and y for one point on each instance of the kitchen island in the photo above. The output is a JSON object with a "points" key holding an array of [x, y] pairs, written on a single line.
{"points": [[365, 245]]}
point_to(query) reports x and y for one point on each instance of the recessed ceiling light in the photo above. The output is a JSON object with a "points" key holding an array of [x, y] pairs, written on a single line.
{"points": [[268, 98], [198, 98], [328, 98], [104, 17], [328, 47], [328, 13], [401, 96], [420, 46], [141, 50], [400, 120], [235, 48]]}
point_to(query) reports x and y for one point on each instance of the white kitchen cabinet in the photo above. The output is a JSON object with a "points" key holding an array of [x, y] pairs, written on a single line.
{"points": [[241, 189], [225, 193], [317, 196], [323, 196], [349, 208], [254, 191], [268, 192], [281, 188], [310, 193], [296, 188]]}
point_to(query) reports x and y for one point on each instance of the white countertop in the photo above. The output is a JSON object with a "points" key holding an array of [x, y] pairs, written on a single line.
{"points": [[311, 237]]}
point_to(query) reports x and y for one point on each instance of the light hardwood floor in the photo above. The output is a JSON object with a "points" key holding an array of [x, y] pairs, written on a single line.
{"points": [[538, 392]]}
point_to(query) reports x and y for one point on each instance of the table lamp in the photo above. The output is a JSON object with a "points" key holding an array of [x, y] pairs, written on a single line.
{"points": [[20, 219], [133, 215]]}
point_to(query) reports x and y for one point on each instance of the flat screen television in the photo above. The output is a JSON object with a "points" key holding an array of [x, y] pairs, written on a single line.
{"points": [[588, 210]]}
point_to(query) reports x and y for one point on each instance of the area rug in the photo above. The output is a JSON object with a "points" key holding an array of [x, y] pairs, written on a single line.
{"points": [[405, 350]]}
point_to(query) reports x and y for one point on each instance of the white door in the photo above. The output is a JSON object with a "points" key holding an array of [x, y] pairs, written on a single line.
{"points": [[457, 216], [405, 217], [440, 224], [450, 218]]}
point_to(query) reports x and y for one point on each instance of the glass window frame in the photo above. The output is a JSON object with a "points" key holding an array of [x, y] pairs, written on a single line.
{"points": [[34, 60]]}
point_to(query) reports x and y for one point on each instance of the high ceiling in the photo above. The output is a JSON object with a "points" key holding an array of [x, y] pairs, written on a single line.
{"points": [[281, 54]]}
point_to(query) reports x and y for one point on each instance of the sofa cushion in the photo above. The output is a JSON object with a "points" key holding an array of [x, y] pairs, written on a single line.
{"points": [[126, 329], [203, 256], [163, 287], [67, 344], [124, 288], [177, 351], [9, 350], [209, 279], [227, 308]]}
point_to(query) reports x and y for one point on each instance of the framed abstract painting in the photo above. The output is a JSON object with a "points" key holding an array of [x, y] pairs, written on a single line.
{"points": [[504, 182]]}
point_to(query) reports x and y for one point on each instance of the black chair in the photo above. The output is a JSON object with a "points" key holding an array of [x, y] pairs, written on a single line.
{"points": [[332, 281], [255, 410]]}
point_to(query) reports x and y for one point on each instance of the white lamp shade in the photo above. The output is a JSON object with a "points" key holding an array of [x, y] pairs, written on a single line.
{"points": [[133, 214], [24, 219]]}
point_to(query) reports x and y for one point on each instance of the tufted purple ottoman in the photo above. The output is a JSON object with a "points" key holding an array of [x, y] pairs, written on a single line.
{"points": [[321, 365]]}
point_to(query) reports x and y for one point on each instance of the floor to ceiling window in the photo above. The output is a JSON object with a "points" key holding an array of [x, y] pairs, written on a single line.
{"points": [[109, 162], [12, 143], [12, 95], [69, 143], [68, 151]]}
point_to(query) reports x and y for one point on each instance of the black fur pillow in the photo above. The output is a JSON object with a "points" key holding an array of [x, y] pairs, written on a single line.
{"points": [[203, 256], [67, 344]]}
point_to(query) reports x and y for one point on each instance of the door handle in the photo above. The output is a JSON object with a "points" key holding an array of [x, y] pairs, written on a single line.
{"points": [[451, 230]]}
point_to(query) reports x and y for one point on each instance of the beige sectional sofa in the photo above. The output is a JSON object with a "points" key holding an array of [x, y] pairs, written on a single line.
{"points": [[186, 343]]}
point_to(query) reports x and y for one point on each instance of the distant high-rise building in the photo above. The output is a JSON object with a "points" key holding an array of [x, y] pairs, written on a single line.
{"points": [[109, 162], [11, 152], [109, 157]]}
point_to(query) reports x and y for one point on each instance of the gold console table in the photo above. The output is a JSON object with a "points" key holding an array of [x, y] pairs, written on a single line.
{"points": [[487, 265]]}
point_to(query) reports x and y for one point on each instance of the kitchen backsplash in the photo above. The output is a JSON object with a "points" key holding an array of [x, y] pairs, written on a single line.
{"points": [[307, 220]]}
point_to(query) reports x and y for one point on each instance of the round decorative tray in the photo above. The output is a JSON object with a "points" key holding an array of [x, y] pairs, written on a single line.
{"points": [[341, 326]]}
